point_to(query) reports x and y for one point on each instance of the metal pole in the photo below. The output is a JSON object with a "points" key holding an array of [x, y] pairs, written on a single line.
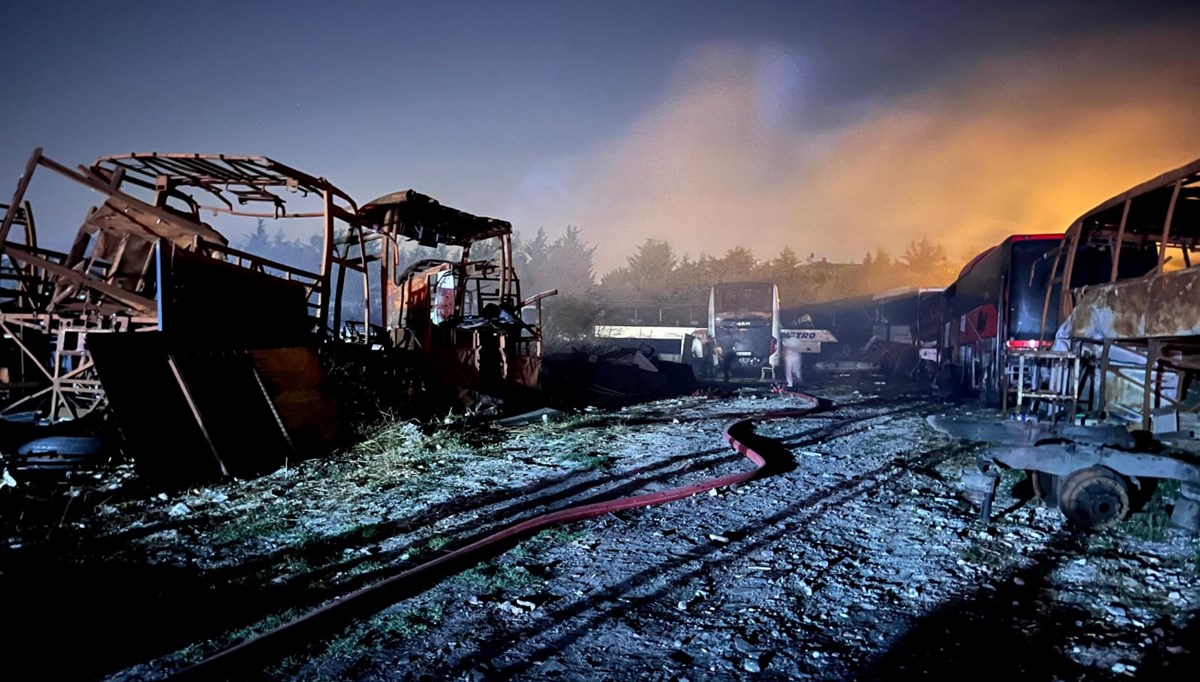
{"points": [[326, 265], [1166, 235], [1116, 256], [19, 196]]}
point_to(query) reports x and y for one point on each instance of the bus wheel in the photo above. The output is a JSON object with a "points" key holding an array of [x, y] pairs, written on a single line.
{"points": [[1045, 486], [1094, 498]]}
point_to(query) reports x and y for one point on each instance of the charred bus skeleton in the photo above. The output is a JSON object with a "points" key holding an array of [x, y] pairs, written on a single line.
{"points": [[227, 362], [465, 317], [1125, 356]]}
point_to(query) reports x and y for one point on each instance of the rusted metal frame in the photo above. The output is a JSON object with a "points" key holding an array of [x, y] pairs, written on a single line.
{"points": [[37, 250], [254, 171], [1116, 252], [262, 386], [1152, 350], [114, 266], [460, 284], [366, 280], [23, 217], [513, 289], [199, 173], [57, 390], [348, 261], [26, 320], [55, 395], [1120, 374], [1166, 234], [195, 206], [338, 292], [174, 182], [385, 277], [84, 267], [32, 396], [1076, 384], [18, 197], [217, 210], [1049, 289], [229, 250], [259, 174], [1105, 353], [1182, 364], [191, 403], [86, 365], [117, 197], [194, 171], [30, 284], [171, 217], [31, 241], [139, 303], [204, 174], [1188, 172], [1066, 302], [25, 349], [504, 266], [326, 264]]}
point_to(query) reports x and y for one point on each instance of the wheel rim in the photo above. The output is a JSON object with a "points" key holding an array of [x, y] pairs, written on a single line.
{"points": [[1094, 498]]}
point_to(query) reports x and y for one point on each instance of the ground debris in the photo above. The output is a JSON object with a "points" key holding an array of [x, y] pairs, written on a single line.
{"points": [[860, 563]]}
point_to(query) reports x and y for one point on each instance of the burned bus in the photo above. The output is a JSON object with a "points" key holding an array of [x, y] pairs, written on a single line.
{"points": [[995, 306], [1005, 306], [743, 320], [1120, 306]]}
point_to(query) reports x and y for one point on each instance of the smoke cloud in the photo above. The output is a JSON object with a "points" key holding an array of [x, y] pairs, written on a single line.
{"points": [[737, 154]]}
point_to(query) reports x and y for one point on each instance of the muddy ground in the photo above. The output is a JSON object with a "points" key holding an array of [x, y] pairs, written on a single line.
{"points": [[862, 562]]}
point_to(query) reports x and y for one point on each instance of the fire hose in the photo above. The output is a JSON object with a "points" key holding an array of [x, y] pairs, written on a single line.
{"points": [[376, 597]]}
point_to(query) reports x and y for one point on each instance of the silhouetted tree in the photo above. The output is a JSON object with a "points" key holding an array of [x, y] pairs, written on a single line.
{"points": [[647, 275]]}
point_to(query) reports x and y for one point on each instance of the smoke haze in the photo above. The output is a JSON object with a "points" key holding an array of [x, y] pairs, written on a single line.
{"points": [[736, 154]]}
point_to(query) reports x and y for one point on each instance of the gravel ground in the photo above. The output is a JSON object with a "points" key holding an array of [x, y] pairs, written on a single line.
{"points": [[863, 562]]}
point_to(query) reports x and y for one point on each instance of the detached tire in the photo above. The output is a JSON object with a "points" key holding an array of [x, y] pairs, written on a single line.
{"points": [[1094, 498]]}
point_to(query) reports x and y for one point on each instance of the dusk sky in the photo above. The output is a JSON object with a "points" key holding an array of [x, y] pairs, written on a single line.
{"points": [[831, 127]]}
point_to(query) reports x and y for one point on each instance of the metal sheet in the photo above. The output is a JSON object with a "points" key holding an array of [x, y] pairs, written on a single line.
{"points": [[1158, 306]]}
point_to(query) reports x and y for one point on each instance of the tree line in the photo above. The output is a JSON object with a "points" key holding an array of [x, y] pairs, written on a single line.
{"points": [[657, 274]]}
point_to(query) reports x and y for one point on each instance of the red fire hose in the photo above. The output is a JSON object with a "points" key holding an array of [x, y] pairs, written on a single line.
{"points": [[418, 578]]}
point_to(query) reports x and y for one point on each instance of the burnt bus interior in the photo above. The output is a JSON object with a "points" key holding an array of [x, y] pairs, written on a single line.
{"points": [[1137, 326]]}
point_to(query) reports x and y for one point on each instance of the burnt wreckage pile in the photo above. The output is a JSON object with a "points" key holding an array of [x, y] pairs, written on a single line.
{"points": [[209, 359]]}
